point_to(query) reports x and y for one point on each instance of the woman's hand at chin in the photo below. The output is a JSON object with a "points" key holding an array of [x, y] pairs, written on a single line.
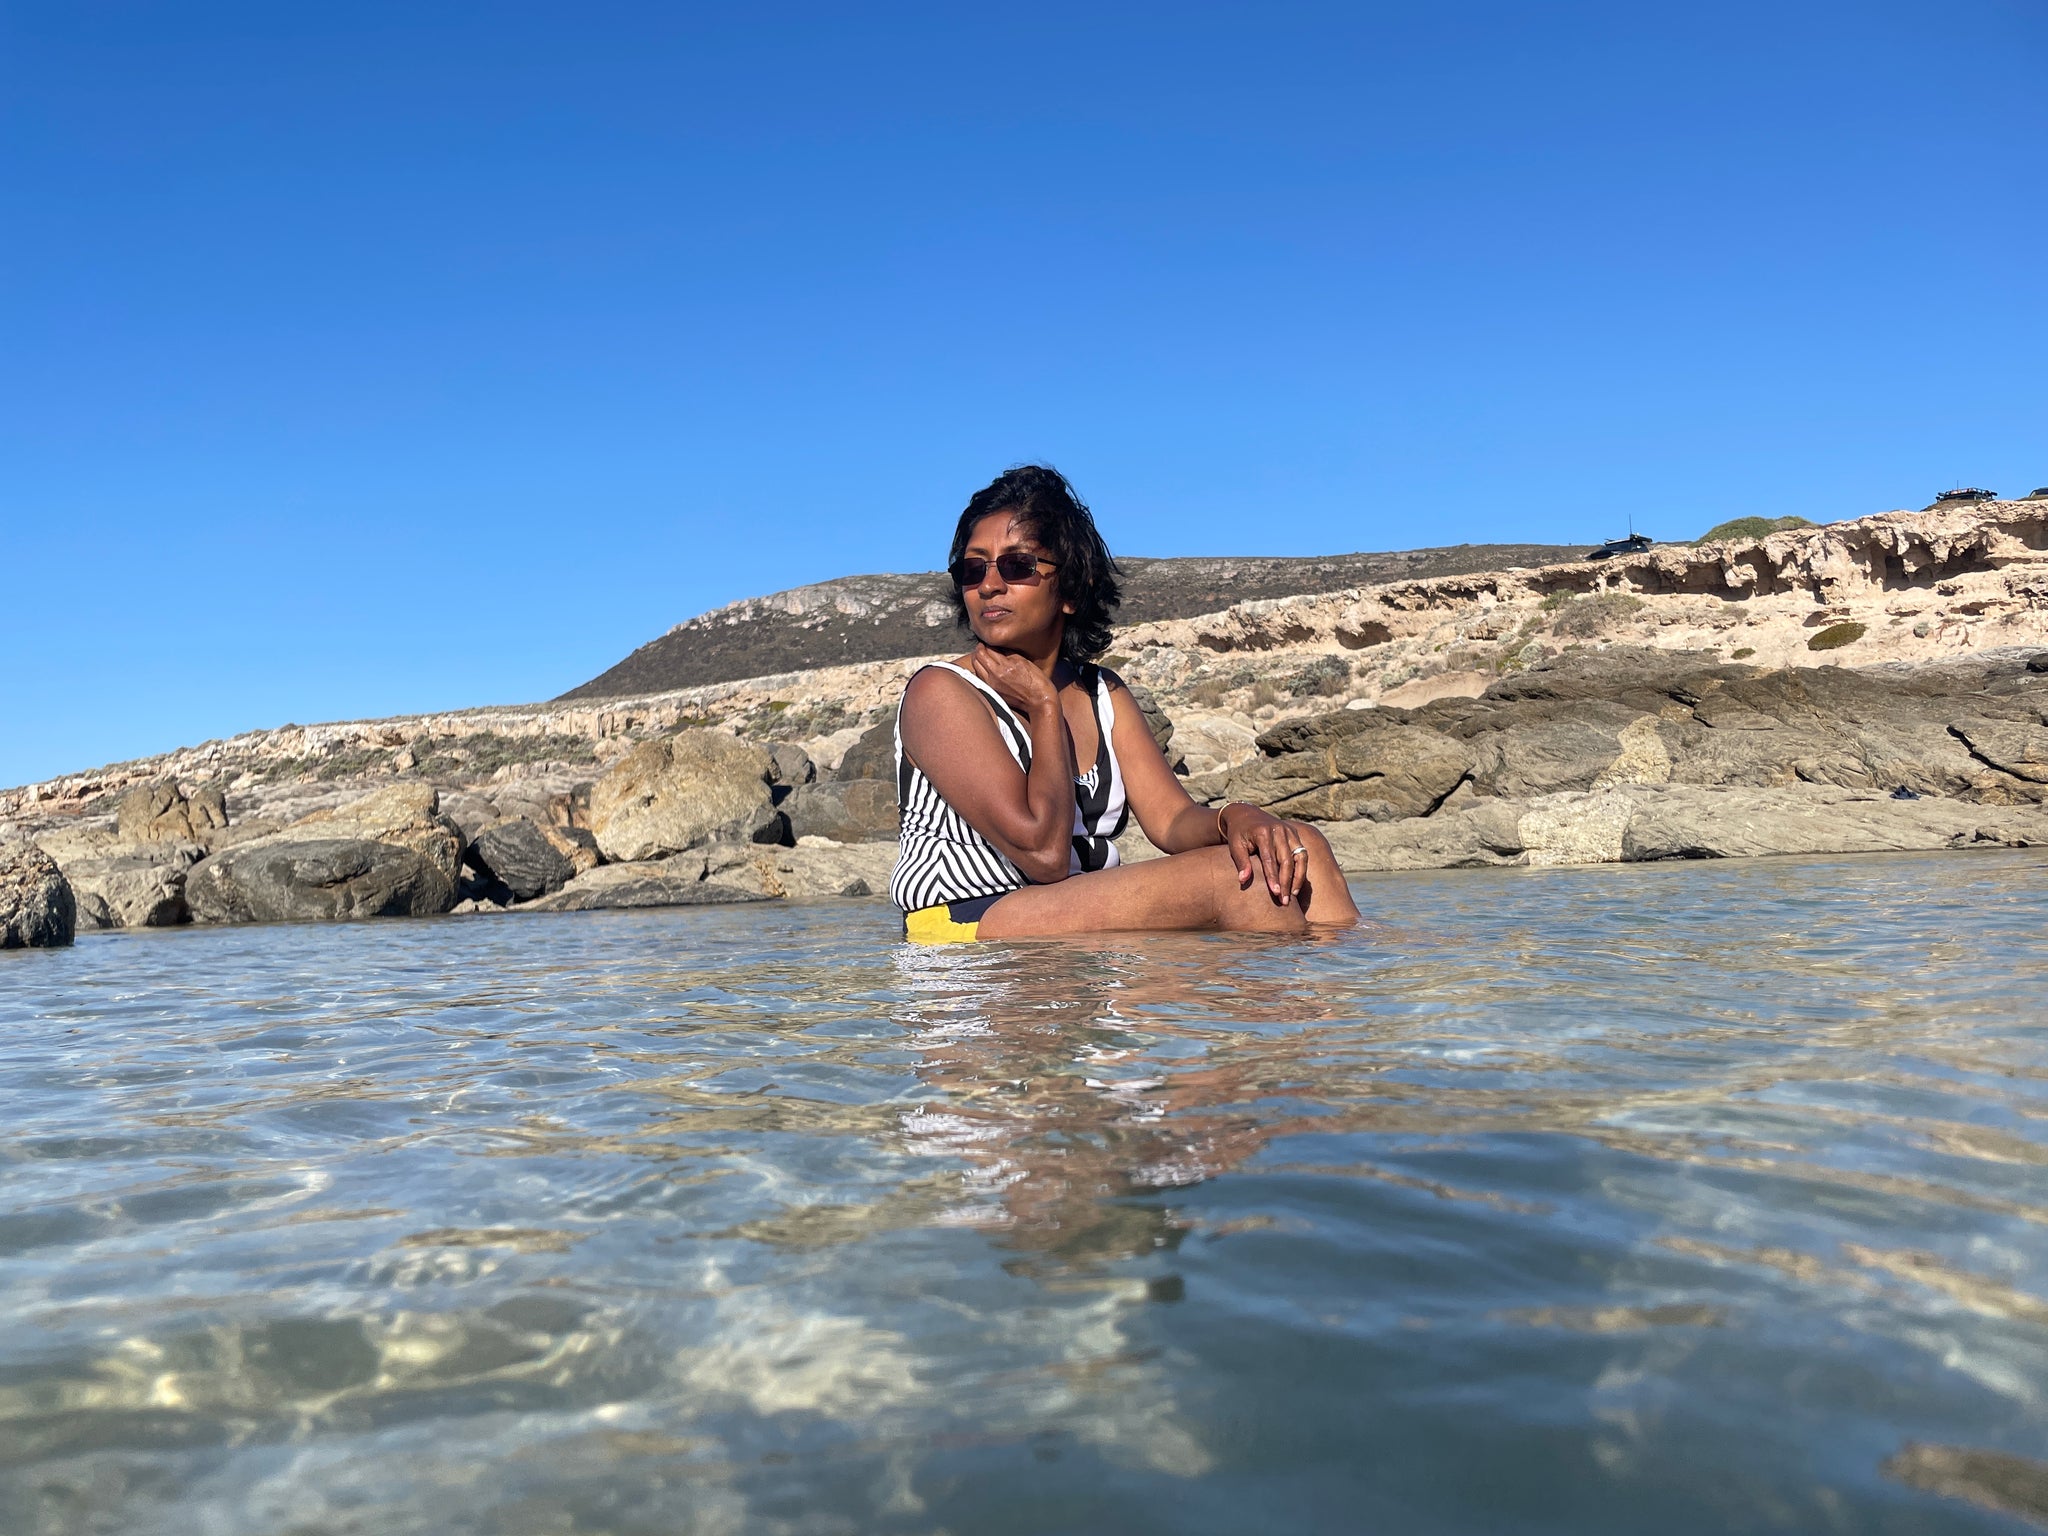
{"points": [[1023, 687]]}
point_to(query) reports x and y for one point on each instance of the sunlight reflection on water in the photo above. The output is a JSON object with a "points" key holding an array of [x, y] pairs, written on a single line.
{"points": [[1553, 1198]]}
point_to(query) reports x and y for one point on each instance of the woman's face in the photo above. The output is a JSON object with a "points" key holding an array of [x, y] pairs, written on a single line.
{"points": [[1027, 615]]}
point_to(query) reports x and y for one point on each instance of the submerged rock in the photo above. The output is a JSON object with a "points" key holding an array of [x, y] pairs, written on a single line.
{"points": [[37, 908]]}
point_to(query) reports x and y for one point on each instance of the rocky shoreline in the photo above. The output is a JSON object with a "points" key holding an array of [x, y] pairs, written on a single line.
{"points": [[1876, 684]]}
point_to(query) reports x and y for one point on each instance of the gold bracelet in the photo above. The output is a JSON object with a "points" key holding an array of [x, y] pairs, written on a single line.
{"points": [[1221, 833]]}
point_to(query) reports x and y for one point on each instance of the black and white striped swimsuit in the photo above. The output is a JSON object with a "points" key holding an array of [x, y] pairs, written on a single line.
{"points": [[945, 860]]}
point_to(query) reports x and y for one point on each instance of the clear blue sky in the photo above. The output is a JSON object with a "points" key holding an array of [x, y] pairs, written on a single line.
{"points": [[366, 358]]}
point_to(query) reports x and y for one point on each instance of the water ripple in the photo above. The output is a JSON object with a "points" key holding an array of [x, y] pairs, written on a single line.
{"points": [[1549, 1198]]}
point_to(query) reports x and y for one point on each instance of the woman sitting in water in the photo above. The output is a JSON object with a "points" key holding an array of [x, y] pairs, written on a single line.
{"points": [[1003, 835]]}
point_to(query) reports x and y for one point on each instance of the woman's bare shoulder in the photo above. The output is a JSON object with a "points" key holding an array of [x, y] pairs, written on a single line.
{"points": [[939, 690]]}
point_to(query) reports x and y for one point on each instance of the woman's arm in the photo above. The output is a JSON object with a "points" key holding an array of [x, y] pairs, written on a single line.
{"points": [[1175, 823], [950, 733]]}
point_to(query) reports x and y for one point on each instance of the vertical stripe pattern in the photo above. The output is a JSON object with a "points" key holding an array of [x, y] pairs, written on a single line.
{"points": [[944, 859]]}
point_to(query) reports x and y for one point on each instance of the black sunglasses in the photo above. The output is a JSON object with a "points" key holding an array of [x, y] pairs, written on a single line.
{"points": [[1014, 565]]}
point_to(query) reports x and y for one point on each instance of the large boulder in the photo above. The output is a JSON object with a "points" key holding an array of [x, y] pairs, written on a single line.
{"points": [[295, 879], [391, 853], [404, 815], [681, 791], [141, 886], [521, 857], [164, 813], [849, 811], [37, 908], [872, 757]]}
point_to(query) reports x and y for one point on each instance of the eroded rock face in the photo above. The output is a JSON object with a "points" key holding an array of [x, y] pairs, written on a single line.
{"points": [[1969, 731], [37, 908], [852, 811], [293, 879], [680, 791], [164, 813]]}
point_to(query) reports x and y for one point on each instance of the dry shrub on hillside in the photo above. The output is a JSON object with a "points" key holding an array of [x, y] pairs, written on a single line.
{"points": [[1835, 636], [1588, 617]]}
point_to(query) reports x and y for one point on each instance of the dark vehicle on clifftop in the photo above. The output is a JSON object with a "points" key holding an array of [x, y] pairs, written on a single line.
{"points": [[1634, 544]]}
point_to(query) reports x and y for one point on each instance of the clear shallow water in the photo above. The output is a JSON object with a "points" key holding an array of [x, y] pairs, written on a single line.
{"points": [[1689, 1198]]}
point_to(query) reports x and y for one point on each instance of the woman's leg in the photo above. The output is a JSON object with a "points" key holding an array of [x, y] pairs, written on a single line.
{"points": [[1326, 897], [1195, 890]]}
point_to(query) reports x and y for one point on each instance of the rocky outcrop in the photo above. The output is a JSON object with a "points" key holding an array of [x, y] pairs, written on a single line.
{"points": [[871, 618], [1969, 731], [1410, 646], [37, 909], [682, 790], [1637, 823], [851, 811]]}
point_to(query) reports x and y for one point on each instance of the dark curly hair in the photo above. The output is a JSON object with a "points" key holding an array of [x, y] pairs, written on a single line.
{"points": [[1039, 497]]}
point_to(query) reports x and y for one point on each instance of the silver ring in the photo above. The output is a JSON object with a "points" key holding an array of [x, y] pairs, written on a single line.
{"points": [[1301, 850]]}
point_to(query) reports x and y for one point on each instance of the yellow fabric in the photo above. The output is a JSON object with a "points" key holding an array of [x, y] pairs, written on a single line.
{"points": [[935, 925]]}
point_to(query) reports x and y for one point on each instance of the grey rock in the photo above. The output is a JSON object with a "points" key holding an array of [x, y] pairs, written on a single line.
{"points": [[141, 887], [37, 907], [789, 765], [472, 813], [872, 757], [2019, 750], [291, 879], [1156, 720], [681, 791], [522, 858], [806, 873], [854, 811], [672, 882], [1644, 822], [1969, 731]]}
